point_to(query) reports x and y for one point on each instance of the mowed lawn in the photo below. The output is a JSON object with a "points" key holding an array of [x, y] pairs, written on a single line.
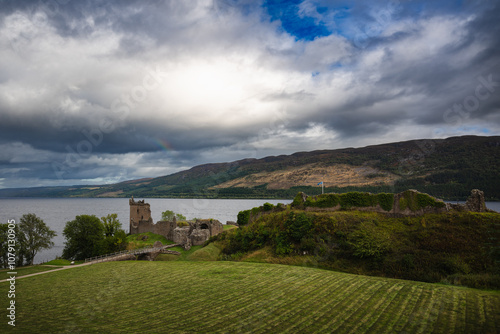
{"points": [[237, 297]]}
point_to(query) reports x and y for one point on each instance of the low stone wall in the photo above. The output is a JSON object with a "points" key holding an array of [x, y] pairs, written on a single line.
{"points": [[407, 203]]}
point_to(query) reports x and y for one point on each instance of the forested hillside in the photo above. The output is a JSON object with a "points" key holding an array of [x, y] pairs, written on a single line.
{"points": [[446, 168]]}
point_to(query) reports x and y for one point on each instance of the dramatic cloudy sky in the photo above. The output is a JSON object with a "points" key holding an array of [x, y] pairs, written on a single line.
{"points": [[94, 92]]}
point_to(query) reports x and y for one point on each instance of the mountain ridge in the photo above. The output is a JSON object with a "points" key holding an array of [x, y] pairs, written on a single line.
{"points": [[447, 168]]}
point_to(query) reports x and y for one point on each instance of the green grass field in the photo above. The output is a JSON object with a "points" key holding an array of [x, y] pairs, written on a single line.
{"points": [[237, 297], [135, 240], [62, 262]]}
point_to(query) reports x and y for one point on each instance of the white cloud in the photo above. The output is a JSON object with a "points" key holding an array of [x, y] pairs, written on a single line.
{"points": [[236, 84]]}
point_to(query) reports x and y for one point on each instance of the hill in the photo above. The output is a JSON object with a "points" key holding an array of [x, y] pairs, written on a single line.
{"points": [[456, 246], [445, 168], [231, 297]]}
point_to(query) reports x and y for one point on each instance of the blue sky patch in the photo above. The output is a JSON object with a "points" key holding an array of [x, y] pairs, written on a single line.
{"points": [[303, 28]]}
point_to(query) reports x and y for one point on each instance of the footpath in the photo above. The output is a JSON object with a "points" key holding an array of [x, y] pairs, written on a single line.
{"points": [[50, 271], [118, 256]]}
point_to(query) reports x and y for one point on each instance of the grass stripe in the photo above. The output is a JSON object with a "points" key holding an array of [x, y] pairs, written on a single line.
{"points": [[228, 297]]}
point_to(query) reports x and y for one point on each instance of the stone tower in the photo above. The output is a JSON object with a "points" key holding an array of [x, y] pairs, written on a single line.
{"points": [[140, 214]]}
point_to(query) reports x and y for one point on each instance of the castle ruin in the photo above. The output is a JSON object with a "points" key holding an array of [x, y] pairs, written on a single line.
{"points": [[408, 203], [194, 234]]}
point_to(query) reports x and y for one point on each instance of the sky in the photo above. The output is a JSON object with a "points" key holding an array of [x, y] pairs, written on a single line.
{"points": [[97, 92]]}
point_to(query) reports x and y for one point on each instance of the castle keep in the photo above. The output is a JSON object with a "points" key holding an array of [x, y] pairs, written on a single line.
{"points": [[196, 233]]}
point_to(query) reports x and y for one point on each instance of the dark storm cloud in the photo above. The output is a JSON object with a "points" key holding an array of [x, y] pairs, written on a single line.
{"points": [[184, 83]]}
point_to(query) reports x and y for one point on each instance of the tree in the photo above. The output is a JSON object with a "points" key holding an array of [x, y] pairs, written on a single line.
{"points": [[169, 216], [3, 245], [111, 224], [12, 234], [34, 235], [84, 237], [115, 238]]}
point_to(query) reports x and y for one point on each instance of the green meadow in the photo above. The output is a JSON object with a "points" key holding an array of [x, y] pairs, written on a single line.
{"points": [[241, 297]]}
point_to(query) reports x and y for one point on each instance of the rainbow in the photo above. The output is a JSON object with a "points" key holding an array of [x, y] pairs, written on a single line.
{"points": [[163, 144]]}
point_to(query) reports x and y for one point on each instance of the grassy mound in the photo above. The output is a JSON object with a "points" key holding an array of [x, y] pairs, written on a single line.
{"points": [[235, 297], [147, 239], [455, 247], [207, 253]]}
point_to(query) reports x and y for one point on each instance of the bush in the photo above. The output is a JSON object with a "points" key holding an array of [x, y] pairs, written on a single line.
{"points": [[416, 201], [282, 245], [323, 201], [357, 199], [424, 200], [298, 226], [386, 201], [268, 206], [368, 241], [477, 281], [297, 201], [243, 217]]}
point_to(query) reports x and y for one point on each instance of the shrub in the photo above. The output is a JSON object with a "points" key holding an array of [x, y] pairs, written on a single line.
{"points": [[356, 199], [297, 201], [416, 201], [282, 246], [326, 201], [478, 281], [424, 200], [298, 226], [268, 206], [369, 241], [386, 201], [243, 217]]}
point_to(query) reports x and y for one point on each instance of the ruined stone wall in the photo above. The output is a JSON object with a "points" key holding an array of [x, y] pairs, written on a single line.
{"points": [[408, 203], [165, 228], [196, 233], [474, 203], [140, 217], [198, 237], [214, 226], [181, 235], [141, 221]]}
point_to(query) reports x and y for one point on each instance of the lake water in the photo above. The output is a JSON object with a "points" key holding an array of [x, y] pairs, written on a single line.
{"points": [[55, 212]]}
